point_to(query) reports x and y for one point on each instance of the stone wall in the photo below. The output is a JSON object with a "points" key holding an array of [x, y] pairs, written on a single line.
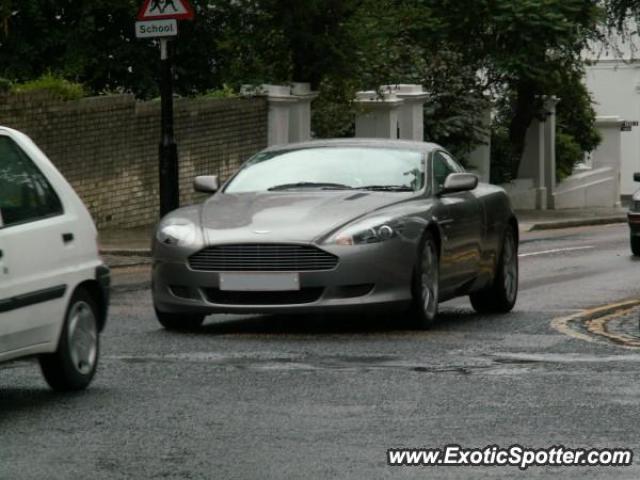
{"points": [[107, 147]]}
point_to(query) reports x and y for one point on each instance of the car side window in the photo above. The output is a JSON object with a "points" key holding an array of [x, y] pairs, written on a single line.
{"points": [[441, 170], [443, 166], [454, 166], [25, 193]]}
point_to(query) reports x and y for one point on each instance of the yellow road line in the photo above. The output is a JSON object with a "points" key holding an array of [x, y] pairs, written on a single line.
{"points": [[596, 322]]}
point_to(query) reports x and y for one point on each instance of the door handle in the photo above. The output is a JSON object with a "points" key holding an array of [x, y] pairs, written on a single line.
{"points": [[67, 237], [1, 254]]}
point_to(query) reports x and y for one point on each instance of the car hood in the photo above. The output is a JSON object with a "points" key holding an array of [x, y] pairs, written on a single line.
{"points": [[286, 216]]}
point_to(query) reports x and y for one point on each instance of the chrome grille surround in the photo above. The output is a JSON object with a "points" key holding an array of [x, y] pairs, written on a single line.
{"points": [[262, 257]]}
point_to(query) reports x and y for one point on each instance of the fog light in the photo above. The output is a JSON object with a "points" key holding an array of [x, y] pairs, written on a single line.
{"points": [[182, 292]]}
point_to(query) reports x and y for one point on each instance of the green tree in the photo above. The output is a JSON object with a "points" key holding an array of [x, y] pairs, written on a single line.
{"points": [[532, 48], [619, 12], [466, 53]]}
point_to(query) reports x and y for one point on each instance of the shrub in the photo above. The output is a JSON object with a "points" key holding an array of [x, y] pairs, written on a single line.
{"points": [[568, 154], [57, 86], [501, 161], [333, 112], [5, 85], [225, 92]]}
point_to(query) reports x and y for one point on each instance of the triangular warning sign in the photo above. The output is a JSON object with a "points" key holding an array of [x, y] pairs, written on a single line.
{"points": [[166, 9]]}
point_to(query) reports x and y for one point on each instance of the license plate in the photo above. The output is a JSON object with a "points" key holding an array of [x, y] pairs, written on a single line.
{"points": [[259, 282]]}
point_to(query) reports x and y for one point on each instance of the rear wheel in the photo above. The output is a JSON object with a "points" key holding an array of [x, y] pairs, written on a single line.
{"points": [[501, 296], [426, 284], [179, 321], [635, 246], [73, 365]]}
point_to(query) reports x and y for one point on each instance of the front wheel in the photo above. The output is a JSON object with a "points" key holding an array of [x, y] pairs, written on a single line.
{"points": [[635, 246], [73, 365], [501, 296], [425, 287], [178, 321]]}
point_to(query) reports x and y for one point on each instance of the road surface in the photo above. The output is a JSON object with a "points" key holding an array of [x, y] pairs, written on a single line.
{"points": [[275, 398]]}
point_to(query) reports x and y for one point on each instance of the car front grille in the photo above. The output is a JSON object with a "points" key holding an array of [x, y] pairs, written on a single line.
{"points": [[306, 295], [262, 258]]}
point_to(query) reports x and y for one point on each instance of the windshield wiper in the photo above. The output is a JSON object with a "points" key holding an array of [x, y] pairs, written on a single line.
{"points": [[387, 188], [319, 185]]}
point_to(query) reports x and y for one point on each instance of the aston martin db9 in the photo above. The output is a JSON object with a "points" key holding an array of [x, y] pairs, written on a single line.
{"points": [[338, 225]]}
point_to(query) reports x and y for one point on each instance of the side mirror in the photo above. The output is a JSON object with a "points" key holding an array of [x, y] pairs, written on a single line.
{"points": [[459, 182], [206, 184], [636, 177]]}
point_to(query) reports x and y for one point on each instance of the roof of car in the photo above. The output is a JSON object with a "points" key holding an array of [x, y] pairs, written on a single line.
{"points": [[360, 142]]}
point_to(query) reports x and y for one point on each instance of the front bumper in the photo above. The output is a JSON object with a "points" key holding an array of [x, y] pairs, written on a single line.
{"points": [[366, 277]]}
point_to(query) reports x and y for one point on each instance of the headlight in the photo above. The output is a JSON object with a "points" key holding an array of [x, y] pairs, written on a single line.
{"points": [[178, 232], [368, 231]]}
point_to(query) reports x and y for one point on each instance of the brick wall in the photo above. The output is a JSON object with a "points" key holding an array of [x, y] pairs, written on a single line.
{"points": [[107, 147]]}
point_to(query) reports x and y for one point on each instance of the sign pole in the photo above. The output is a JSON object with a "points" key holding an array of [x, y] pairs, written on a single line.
{"points": [[168, 159], [159, 19]]}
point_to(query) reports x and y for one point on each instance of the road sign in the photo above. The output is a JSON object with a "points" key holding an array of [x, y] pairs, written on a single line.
{"points": [[157, 28], [159, 18], [166, 10]]}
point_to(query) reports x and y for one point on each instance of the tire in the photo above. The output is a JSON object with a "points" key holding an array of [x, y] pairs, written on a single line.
{"points": [[501, 296], [425, 288], [635, 246], [72, 366], [179, 322]]}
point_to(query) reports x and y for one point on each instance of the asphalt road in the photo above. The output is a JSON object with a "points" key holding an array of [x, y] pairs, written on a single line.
{"points": [[275, 398]]}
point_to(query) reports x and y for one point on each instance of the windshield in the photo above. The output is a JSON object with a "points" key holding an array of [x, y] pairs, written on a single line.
{"points": [[332, 168]]}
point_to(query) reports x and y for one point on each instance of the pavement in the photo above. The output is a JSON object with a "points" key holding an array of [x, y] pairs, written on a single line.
{"points": [[128, 254], [129, 247], [531, 220]]}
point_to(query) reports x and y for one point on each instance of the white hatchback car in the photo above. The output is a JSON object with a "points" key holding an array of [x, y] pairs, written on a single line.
{"points": [[54, 289]]}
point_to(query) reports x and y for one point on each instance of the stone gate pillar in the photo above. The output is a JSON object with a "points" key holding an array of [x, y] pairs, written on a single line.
{"points": [[549, 106], [411, 112], [380, 116], [300, 113], [538, 162], [280, 102], [532, 164], [480, 157]]}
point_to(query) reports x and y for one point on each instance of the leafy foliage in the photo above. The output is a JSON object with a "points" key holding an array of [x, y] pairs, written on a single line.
{"points": [[466, 53], [575, 114], [568, 154], [55, 85], [619, 12], [225, 92], [88, 42], [334, 110], [5, 85], [502, 168], [576, 132]]}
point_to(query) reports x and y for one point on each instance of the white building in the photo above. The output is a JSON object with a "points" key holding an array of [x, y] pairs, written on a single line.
{"points": [[614, 81]]}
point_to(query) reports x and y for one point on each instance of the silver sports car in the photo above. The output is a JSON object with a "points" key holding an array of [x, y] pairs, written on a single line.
{"points": [[338, 225]]}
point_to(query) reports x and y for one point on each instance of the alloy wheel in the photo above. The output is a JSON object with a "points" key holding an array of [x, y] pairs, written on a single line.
{"points": [[83, 337], [429, 280]]}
